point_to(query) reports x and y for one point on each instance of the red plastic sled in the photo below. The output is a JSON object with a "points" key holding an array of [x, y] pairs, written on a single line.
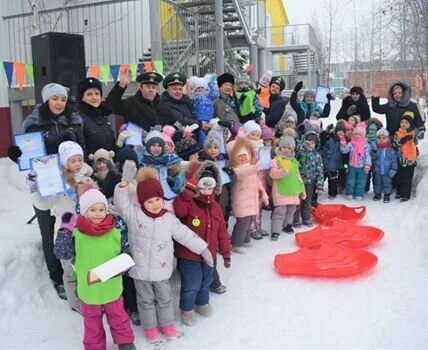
{"points": [[324, 213], [325, 260], [340, 232]]}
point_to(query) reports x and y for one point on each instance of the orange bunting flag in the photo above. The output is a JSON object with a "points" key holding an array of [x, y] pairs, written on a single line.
{"points": [[148, 66], [19, 68], [94, 71]]}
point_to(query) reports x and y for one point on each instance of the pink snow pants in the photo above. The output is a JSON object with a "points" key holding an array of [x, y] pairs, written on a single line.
{"points": [[120, 326]]}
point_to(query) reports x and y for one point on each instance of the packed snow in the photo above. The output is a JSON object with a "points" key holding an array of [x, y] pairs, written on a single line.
{"points": [[384, 308]]}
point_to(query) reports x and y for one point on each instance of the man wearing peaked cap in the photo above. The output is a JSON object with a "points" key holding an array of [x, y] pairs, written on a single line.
{"points": [[277, 103], [180, 105], [145, 107], [278, 81]]}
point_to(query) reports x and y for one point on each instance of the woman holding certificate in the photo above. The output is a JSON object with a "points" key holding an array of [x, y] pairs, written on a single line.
{"points": [[54, 119]]}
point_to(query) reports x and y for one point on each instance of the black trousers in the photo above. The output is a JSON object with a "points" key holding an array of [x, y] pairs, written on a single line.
{"points": [[47, 227], [129, 294], [216, 277], [333, 179], [404, 179]]}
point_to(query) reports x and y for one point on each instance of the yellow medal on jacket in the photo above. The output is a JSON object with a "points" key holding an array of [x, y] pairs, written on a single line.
{"points": [[196, 222]]}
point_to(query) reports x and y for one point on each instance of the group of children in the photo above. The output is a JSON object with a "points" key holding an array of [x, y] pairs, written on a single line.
{"points": [[173, 198]]}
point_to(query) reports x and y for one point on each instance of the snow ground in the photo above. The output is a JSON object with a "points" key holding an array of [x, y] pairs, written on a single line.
{"points": [[385, 308]]}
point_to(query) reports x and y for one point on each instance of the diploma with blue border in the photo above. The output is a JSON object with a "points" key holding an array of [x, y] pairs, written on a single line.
{"points": [[50, 179], [32, 145], [136, 137], [321, 94], [265, 157]]}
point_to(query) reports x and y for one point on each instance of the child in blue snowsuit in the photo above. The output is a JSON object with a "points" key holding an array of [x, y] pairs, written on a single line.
{"points": [[385, 165], [359, 161]]}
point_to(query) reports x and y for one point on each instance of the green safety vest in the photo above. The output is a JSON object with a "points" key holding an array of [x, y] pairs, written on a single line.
{"points": [[290, 184], [247, 107], [92, 251]]}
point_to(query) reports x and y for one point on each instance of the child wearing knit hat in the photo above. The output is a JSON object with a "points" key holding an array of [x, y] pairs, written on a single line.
{"points": [[287, 187], [102, 162], [385, 165], [149, 222], [359, 161], [92, 240]]}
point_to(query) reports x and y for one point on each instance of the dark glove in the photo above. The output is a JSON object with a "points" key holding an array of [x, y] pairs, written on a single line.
{"points": [[14, 152], [229, 171], [227, 263], [406, 138], [329, 128], [329, 97], [352, 109], [229, 124], [298, 86]]}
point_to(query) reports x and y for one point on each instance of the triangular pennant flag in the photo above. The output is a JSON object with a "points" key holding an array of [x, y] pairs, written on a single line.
{"points": [[148, 67], [133, 71], [158, 66], [94, 71], [114, 69], [19, 73], [105, 72], [30, 73], [249, 68], [140, 68], [8, 68]]}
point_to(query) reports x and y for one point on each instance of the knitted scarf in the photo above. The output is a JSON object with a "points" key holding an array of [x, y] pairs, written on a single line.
{"points": [[94, 229], [358, 146], [409, 148]]}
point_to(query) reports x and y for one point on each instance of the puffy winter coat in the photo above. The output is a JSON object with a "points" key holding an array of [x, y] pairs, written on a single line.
{"points": [[181, 110], [277, 104], [394, 110], [97, 129], [361, 108], [138, 110], [384, 160], [207, 221], [225, 108], [331, 155], [54, 128], [151, 239], [311, 167]]}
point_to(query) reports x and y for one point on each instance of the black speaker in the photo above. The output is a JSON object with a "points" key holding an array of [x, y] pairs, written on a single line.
{"points": [[58, 58]]}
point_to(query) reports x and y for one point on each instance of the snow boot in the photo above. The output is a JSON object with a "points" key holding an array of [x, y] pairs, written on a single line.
{"points": [[307, 223], [358, 198], [386, 198], [404, 199], [247, 245], [135, 318], [152, 335], [170, 332], [238, 249], [205, 310], [219, 290], [256, 235], [59, 288], [127, 347], [349, 197], [377, 197], [188, 318], [288, 229], [263, 232], [274, 236]]}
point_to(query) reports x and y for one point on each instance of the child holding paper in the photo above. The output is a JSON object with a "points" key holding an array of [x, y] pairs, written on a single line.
{"points": [[94, 241], [152, 230]]}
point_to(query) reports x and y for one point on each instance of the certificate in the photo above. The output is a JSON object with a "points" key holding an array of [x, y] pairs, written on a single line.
{"points": [[111, 268], [265, 157], [225, 178], [50, 179], [136, 137], [167, 191], [32, 145], [321, 94]]}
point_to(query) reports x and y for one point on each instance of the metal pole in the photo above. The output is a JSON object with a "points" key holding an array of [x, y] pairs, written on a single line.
{"points": [[197, 45], [155, 30], [254, 74], [261, 61], [219, 40]]}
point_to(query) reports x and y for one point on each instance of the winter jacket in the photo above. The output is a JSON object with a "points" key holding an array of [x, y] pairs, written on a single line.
{"points": [[151, 239], [225, 108], [138, 110], [247, 191], [304, 110], [362, 161], [361, 108], [54, 128], [181, 110], [207, 222], [277, 104], [311, 167], [97, 129], [394, 110], [331, 155], [384, 160], [407, 152]]}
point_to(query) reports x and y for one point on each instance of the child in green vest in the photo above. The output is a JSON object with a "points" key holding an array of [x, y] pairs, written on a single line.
{"points": [[287, 186], [248, 102], [94, 241]]}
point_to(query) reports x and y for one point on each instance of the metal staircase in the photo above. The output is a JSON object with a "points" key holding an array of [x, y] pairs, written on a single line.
{"points": [[188, 39]]}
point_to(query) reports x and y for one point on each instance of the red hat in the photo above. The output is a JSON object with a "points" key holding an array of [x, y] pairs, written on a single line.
{"points": [[147, 189]]}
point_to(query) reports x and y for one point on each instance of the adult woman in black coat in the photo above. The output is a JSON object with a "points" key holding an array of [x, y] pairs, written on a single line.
{"points": [[97, 129], [355, 104], [398, 103], [54, 119]]}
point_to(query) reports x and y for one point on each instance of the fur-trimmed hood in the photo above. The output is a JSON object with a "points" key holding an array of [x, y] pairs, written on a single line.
{"points": [[405, 99], [374, 121], [196, 168], [241, 142]]}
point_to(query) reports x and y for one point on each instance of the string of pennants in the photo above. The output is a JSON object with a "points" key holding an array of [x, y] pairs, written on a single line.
{"points": [[24, 72]]}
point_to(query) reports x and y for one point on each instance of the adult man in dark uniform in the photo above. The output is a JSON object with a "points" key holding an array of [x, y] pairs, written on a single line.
{"points": [[144, 108], [180, 105]]}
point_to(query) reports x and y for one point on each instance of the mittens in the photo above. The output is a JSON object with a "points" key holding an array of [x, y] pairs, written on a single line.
{"points": [[14, 152], [298, 86], [129, 171], [229, 171], [406, 138], [227, 263], [68, 221], [122, 137]]}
